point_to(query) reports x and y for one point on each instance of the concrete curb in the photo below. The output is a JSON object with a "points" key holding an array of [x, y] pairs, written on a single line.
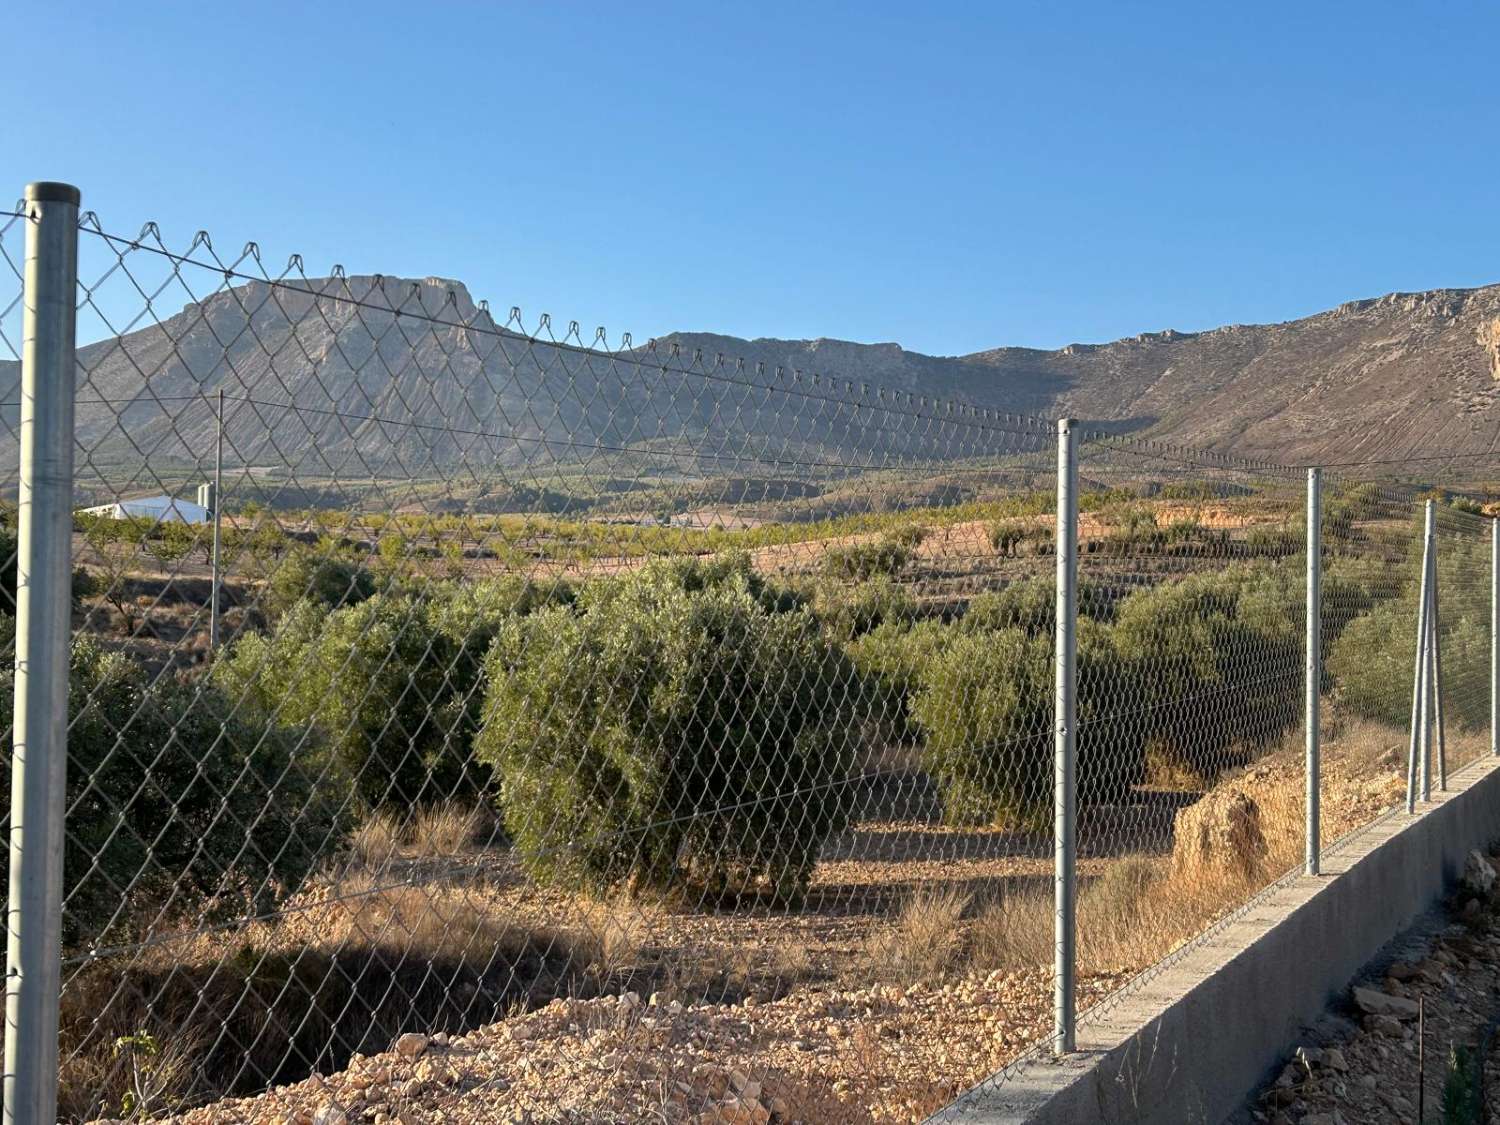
{"points": [[1189, 1042]]}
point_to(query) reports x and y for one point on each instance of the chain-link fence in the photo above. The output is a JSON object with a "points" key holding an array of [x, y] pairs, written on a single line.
{"points": [[472, 720]]}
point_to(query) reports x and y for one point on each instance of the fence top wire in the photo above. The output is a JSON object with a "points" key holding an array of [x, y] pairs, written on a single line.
{"points": [[654, 355]]}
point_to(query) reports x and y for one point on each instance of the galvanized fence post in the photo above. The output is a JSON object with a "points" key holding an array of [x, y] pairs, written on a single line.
{"points": [[213, 611], [1429, 578], [1435, 627], [1065, 795], [43, 633], [1314, 660], [1419, 676]]}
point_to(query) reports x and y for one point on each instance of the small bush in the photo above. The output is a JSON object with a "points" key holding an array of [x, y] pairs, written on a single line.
{"points": [[848, 612], [448, 830], [391, 685], [1010, 537], [860, 562], [376, 842], [985, 704], [666, 737], [1031, 605], [892, 659], [1372, 662], [1007, 536], [925, 938], [910, 535], [1214, 662], [315, 576], [166, 783]]}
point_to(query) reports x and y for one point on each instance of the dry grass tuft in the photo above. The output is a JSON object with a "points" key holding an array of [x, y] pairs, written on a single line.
{"points": [[925, 938], [1014, 932], [449, 830], [377, 841], [791, 963], [610, 934]]}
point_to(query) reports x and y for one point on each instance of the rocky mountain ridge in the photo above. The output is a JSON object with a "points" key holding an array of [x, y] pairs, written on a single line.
{"points": [[345, 371]]}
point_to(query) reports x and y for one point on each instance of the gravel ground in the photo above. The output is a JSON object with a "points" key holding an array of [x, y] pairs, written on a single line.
{"points": [[1365, 1063], [863, 1055]]}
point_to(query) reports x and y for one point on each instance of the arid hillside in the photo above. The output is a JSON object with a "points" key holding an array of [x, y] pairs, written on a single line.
{"points": [[406, 376]]}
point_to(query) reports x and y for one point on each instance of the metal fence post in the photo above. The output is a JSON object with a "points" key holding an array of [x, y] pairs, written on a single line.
{"points": [[1428, 580], [1419, 678], [1314, 660], [43, 632], [1435, 626], [213, 612], [1065, 739], [1495, 636]]}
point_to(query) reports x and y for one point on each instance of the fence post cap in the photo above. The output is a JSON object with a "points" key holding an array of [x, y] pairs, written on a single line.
{"points": [[52, 191]]}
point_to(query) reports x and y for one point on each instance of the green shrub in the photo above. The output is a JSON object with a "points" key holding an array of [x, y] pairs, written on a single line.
{"points": [[178, 804], [1007, 536], [985, 704], [892, 659], [1197, 490], [910, 535], [1372, 663], [733, 568], [848, 612], [8, 546], [392, 686], [1031, 605], [860, 562], [1463, 1089], [1097, 499], [667, 737], [317, 576], [1275, 540], [1010, 537], [1214, 661]]}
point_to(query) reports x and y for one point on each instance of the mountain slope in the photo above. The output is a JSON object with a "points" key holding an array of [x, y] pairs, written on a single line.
{"points": [[339, 385]]}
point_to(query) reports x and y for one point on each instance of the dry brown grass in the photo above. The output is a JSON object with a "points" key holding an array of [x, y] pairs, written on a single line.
{"points": [[791, 963], [449, 830], [377, 841], [439, 832], [610, 934], [924, 939]]}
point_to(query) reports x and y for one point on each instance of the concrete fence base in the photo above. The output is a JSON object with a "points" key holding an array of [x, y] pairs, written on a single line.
{"points": [[1190, 1041]]}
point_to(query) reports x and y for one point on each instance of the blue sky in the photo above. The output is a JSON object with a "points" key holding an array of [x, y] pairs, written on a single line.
{"points": [[953, 179]]}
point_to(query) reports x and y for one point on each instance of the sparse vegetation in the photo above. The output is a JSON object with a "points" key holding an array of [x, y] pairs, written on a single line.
{"points": [[692, 733], [923, 940]]}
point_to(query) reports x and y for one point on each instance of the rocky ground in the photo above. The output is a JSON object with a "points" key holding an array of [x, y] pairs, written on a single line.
{"points": [[1383, 1057], [882, 1053]]}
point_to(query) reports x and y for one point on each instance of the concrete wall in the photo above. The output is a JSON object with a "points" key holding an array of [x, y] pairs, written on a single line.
{"points": [[1191, 1041]]}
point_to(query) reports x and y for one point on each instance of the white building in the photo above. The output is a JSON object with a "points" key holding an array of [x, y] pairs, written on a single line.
{"points": [[163, 509]]}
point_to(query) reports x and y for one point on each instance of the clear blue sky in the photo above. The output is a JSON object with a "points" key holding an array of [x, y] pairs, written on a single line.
{"points": [[952, 179]]}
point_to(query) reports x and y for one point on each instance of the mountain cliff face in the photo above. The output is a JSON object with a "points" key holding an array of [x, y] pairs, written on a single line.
{"points": [[1407, 374], [339, 384]]}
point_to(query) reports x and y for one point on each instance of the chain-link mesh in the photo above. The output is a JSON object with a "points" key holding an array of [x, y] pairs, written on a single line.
{"points": [[1190, 676], [594, 733], [616, 733]]}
